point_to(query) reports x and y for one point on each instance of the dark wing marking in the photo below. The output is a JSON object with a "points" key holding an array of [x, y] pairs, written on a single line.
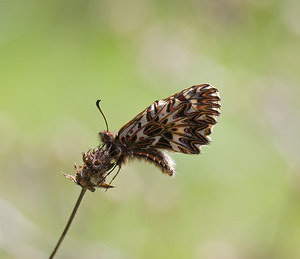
{"points": [[181, 122]]}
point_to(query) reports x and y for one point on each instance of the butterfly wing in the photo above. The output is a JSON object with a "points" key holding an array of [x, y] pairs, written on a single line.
{"points": [[180, 123]]}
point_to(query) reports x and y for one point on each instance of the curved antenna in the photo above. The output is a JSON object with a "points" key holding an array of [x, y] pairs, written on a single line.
{"points": [[98, 106]]}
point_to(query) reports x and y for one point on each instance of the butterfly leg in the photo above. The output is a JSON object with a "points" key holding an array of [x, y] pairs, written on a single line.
{"points": [[106, 186], [109, 184], [115, 176]]}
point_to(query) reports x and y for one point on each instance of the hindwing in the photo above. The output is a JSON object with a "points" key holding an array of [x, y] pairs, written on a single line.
{"points": [[180, 123]]}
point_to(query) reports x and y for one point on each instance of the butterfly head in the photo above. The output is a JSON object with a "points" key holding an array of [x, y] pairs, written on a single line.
{"points": [[105, 136]]}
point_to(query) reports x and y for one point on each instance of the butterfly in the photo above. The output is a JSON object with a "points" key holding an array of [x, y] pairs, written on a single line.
{"points": [[179, 123]]}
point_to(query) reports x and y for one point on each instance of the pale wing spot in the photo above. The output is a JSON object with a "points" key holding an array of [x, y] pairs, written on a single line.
{"points": [[174, 146], [175, 104], [136, 127], [188, 93], [156, 139], [200, 118], [152, 110], [163, 109], [207, 87], [161, 103], [202, 132], [191, 110], [198, 146], [177, 140], [139, 134]]}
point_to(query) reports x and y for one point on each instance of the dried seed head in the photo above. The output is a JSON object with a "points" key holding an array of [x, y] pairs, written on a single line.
{"points": [[92, 174]]}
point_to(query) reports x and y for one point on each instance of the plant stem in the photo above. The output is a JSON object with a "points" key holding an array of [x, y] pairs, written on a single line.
{"points": [[69, 222]]}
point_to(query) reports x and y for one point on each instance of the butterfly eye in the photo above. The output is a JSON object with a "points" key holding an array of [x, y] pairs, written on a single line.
{"points": [[105, 136]]}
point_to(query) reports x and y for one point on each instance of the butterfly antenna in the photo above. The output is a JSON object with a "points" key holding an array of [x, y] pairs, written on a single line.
{"points": [[69, 223], [98, 106]]}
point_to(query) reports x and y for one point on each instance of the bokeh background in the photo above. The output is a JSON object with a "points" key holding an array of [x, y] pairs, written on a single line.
{"points": [[239, 200]]}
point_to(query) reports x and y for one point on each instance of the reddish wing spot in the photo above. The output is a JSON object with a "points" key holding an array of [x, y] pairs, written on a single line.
{"points": [[181, 98]]}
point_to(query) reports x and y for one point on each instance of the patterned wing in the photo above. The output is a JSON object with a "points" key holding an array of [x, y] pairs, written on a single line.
{"points": [[180, 123]]}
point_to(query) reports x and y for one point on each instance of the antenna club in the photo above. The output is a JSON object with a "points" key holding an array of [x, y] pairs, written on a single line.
{"points": [[98, 106], [97, 103]]}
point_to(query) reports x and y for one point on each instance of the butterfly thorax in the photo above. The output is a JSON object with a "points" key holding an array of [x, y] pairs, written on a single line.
{"points": [[111, 144]]}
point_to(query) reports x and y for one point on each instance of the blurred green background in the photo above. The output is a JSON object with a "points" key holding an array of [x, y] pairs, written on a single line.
{"points": [[239, 200]]}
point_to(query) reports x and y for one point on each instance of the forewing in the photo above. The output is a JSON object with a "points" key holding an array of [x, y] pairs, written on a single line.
{"points": [[180, 123]]}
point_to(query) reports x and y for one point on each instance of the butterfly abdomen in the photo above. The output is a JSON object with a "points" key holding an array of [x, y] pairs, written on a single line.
{"points": [[156, 157]]}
